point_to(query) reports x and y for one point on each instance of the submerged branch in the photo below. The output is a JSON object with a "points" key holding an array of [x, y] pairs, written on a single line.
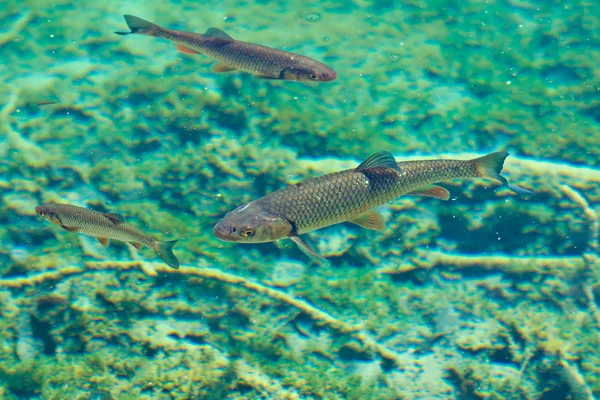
{"points": [[16, 28], [153, 269]]}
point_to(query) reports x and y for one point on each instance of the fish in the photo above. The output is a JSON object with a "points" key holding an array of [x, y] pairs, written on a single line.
{"points": [[350, 196], [45, 103], [104, 227], [261, 61]]}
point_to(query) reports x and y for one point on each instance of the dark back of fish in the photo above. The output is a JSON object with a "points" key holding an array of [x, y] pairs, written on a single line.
{"points": [[344, 195]]}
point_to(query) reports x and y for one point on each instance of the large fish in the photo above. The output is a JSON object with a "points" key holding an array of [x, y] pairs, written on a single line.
{"points": [[233, 54], [349, 196], [105, 227]]}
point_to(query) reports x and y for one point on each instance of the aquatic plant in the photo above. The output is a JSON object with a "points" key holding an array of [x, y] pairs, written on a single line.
{"points": [[155, 288]]}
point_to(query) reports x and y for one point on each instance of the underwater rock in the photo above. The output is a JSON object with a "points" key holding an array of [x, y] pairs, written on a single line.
{"points": [[287, 273]]}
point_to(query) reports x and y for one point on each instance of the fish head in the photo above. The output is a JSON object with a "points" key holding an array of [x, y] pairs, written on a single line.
{"points": [[48, 213], [250, 224], [309, 72]]}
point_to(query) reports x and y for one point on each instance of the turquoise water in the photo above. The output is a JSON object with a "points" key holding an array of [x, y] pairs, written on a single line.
{"points": [[487, 295]]}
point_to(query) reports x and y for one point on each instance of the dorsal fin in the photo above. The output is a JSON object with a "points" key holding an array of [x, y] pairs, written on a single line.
{"points": [[115, 218], [217, 33], [383, 159]]}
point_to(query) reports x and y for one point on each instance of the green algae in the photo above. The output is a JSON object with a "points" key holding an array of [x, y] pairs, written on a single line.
{"points": [[25, 379]]}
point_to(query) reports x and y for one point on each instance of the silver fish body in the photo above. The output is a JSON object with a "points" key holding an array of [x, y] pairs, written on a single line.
{"points": [[262, 61], [351, 196], [105, 226]]}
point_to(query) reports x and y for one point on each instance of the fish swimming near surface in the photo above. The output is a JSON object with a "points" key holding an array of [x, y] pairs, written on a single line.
{"points": [[231, 54], [45, 103], [350, 196], [105, 226]]}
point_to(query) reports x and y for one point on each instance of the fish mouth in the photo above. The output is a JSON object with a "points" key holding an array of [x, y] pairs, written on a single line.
{"points": [[43, 211], [222, 233], [330, 75]]}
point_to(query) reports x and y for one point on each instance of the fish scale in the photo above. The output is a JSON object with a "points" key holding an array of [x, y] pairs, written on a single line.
{"points": [[332, 198], [250, 57], [256, 59], [439, 170]]}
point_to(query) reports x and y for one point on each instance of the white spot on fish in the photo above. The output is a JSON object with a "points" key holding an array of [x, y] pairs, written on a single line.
{"points": [[243, 208]]}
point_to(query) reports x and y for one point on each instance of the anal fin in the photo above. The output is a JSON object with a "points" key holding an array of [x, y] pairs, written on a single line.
{"points": [[306, 249], [370, 220], [185, 49], [432, 191], [104, 241], [222, 67], [137, 245]]}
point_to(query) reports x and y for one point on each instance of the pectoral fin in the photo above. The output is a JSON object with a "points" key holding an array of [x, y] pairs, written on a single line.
{"points": [[185, 50], [56, 221], [69, 228], [370, 220], [308, 250], [104, 241], [221, 67], [432, 191]]}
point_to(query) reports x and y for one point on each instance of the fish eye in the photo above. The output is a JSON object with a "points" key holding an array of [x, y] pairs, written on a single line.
{"points": [[247, 232], [312, 76]]}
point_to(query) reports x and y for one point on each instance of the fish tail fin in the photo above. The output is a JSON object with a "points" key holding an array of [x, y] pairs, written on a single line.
{"points": [[165, 252], [490, 166], [140, 26]]}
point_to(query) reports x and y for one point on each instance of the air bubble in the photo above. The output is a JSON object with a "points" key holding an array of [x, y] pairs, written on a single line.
{"points": [[313, 17]]}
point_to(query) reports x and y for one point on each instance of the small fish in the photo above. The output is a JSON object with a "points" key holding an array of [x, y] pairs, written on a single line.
{"points": [[262, 61], [45, 102], [105, 227], [350, 196]]}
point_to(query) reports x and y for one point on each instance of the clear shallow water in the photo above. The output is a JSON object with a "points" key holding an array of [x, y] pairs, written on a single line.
{"points": [[488, 295]]}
